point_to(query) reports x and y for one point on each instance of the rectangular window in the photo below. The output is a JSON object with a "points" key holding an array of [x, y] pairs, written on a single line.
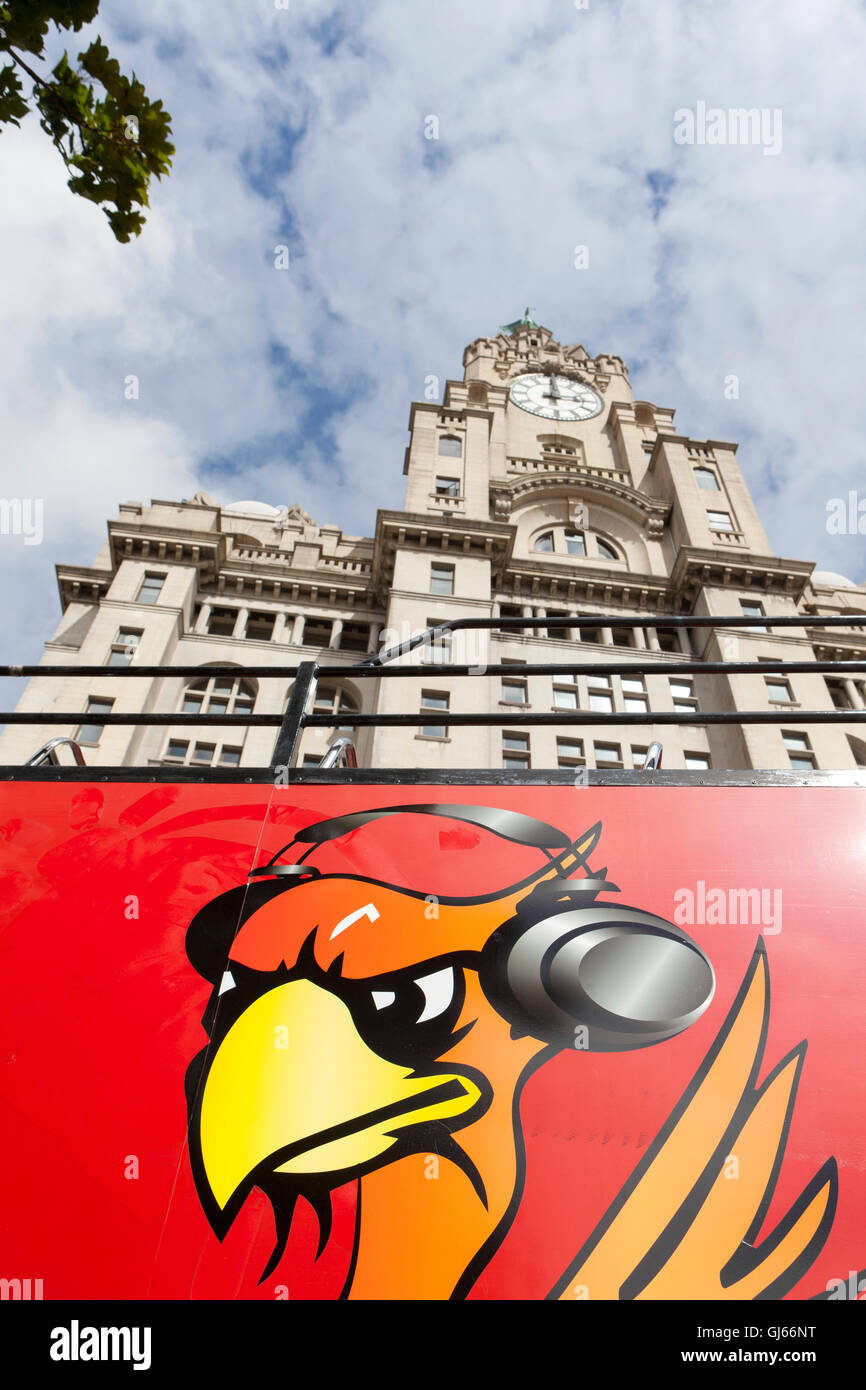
{"points": [[177, 750], [839, 695], [565, 697], [556, 631], [514, 692], [668, 640], [752, 610], [230, 757], [600, 695], [683, 693], [124, 647], [441, 579], [515, 750], [260, 626], [608, 755], [510, 610], [311, 760], [588, 634], [796, 743], [622, 636], [317, 632], [698, 762], [515, 743], [638, 755], [91, 733], [778, 692], [432, 700], [569, 752], [447, 487], [720, 521], [221, 622], [355, 637], [203, 753], [800, 754], [151, 588], [634, 696]]}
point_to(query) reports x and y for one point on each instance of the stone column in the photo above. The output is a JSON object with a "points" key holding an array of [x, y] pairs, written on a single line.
{"points": [[279, 633], [298, 633], [336, 634], [853, 694], [203, 619], [240, 627]]}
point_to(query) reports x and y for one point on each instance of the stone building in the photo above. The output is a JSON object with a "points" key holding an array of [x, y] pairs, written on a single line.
{"points": [[538, 488]]}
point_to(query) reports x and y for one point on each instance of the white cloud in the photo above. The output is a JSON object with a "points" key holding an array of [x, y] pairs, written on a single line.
{"points": [[405, 249]]}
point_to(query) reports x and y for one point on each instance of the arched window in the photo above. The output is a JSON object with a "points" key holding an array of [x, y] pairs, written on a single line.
{"points": [[707, 480], [219, 695], [450, 446], [566, 540]]}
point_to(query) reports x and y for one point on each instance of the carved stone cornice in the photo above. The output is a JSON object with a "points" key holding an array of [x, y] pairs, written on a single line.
{"points": [[650, 512], [696, 567], [448, 536]]}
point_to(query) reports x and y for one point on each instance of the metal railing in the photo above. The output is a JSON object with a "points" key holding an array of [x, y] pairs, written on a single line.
{"points": [[48, 753], [300, 713]]}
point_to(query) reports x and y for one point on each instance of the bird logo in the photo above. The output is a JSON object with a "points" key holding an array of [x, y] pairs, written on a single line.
{"points": [[354, 1031]]}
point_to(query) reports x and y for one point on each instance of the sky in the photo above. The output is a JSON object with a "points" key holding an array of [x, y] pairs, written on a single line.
{"points": [[729, 276]]}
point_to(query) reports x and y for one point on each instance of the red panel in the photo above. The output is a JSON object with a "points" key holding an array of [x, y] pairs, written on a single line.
{"points": [[100, 1015]]}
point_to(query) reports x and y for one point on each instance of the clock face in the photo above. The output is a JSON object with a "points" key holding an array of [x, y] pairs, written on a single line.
{"points": [[555, 397]]}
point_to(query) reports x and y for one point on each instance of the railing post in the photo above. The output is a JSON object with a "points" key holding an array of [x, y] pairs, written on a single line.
{"points": [[293, 720]]}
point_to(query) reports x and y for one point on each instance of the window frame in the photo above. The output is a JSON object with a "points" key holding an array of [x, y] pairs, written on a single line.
{"points": [[96, 704], [703, 470], [143, 587], [449, 453], [428, 730], [446, 573], [120, 648]]}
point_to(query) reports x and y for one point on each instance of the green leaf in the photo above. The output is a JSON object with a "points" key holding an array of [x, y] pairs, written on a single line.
{"points": [[111, 136]]}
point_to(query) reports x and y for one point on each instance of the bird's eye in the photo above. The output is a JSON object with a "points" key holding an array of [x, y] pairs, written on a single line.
{"points": [[438, 991], [405, 1015]]}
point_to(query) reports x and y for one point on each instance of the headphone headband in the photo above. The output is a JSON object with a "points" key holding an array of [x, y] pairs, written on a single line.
{"points": [[509, 825]]}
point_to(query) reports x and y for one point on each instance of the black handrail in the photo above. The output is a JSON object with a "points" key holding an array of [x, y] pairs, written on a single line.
{"points": [[306, 674]]}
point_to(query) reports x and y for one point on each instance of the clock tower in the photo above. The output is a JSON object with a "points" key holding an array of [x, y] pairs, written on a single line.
{"points": [[541, 488]]}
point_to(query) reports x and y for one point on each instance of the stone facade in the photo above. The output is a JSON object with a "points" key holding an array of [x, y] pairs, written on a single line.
{"points": [[507, 514]]}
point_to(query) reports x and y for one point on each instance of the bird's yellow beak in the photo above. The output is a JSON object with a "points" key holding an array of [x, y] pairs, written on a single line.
{"points": [[294, 1089]]}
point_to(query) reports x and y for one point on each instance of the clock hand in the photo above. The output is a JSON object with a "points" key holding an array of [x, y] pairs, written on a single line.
{"points": [[552, 394]]}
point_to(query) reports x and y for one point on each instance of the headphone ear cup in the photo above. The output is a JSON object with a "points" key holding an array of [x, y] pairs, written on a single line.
{"points": [[603, 978]]}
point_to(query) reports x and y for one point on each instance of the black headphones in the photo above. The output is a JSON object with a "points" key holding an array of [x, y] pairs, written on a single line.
{"points": [[565, 968]]}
